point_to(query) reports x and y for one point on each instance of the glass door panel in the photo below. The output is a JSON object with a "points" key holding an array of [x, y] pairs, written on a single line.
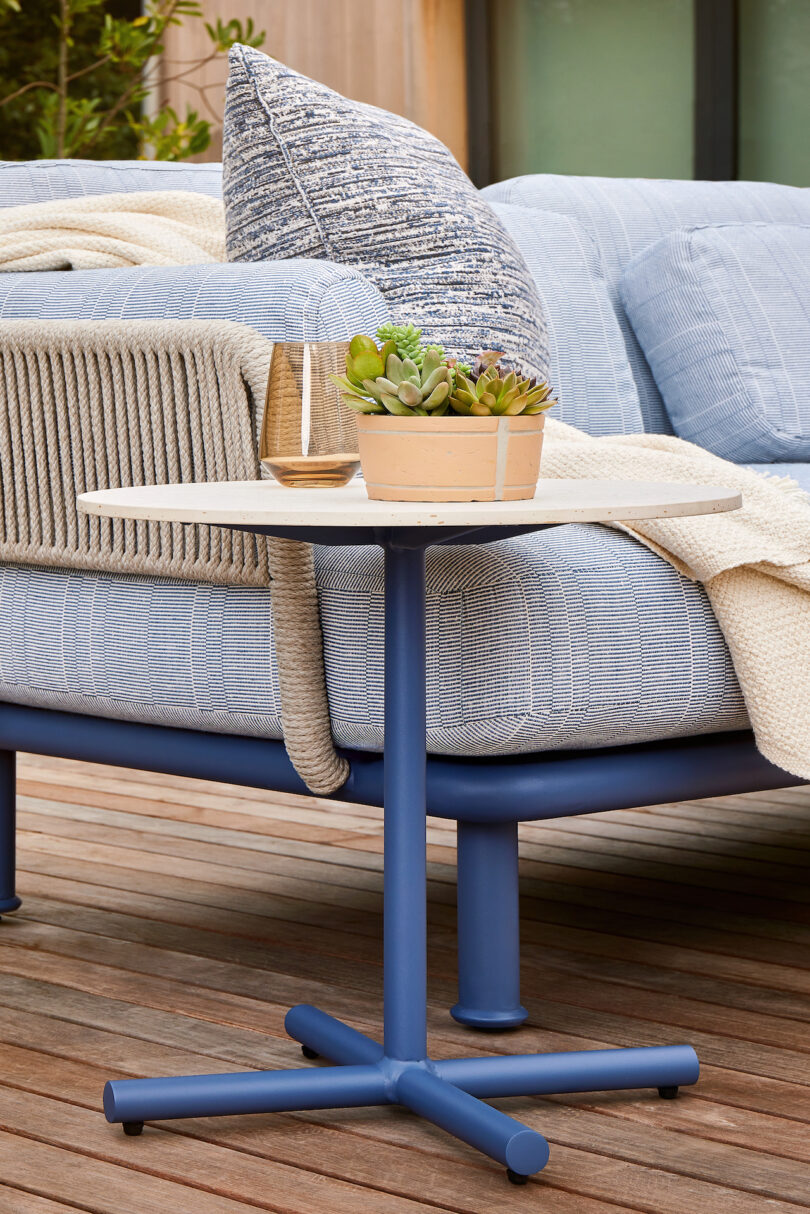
{"points": [[600, 87], [775, 91]]}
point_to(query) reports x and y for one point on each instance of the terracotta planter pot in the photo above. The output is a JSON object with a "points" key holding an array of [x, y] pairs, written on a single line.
{"points": [[451, 458]]}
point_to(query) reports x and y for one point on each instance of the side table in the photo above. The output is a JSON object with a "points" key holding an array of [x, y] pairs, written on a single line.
{"points": [[449, 1093]]}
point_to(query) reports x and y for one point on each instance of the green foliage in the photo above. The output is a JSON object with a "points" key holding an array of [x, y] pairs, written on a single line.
{"points": [[74, 78], [29, 52], [409, 379], [225, 33], [173, 138], [408, 341], [491, 390], [378, 380]]}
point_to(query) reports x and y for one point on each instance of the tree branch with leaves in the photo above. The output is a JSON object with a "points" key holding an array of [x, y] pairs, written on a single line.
{"points": [[91, 100]]}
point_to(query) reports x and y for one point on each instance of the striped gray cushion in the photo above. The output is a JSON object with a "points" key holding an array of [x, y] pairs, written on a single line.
{"points": [[625, 215], [608, 643], [588, 359], [296, 300], [722, 313], [24, 182], [308, 173], [573, 637]]}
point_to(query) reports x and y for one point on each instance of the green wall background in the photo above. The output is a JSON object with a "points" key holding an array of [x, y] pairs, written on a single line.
{"points": [[775, 91], [606, 87], [593, 86]]}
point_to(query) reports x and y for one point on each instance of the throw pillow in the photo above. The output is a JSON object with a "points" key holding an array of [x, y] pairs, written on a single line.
{"points": [[309, 173], [625, 215], [723, 315]]}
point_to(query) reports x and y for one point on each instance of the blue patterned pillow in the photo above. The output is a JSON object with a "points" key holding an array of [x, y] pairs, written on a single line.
{"points": [[308, 173], [723, 316]]}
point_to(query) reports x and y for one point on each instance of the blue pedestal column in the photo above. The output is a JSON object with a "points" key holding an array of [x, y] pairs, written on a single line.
{"points": [[405, 880], [8, 827], [488, 926]]}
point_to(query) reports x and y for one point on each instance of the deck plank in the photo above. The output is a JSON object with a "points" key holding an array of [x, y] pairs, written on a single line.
{"points": [[167, 925], [764, 950], [16, 1201]]}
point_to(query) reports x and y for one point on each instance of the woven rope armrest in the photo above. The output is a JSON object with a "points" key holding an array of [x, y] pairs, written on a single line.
{"points": [[97, 404]]}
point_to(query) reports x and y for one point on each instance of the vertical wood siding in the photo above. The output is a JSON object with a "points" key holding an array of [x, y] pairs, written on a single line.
{"points": [[404, 55]]}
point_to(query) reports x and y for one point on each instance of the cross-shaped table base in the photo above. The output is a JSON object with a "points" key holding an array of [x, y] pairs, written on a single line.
{"points": [[448, 1093]]}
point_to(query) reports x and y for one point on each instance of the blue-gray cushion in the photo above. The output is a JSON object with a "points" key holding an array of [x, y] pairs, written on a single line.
{"points": [[722, 313], [308, 173], [296, 300], [588, 359], [625, 215], [573, 637], [23, 182]]}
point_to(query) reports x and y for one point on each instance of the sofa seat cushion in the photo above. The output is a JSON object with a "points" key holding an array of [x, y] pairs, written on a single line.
{"points": [[625, 215], [573, 637], [722, 313]]}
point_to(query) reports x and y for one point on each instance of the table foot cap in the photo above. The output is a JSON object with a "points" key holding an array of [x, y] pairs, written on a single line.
{"points": [[488, 1018]]}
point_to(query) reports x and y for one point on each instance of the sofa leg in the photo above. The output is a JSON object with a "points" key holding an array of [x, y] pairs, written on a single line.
{"points": [[488, 926], [8, 798]]}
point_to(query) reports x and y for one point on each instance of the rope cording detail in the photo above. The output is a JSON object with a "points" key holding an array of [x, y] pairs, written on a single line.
{"points": [[100, 404]]}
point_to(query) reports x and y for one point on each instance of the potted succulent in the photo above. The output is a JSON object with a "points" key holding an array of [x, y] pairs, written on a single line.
{"points": [[434, 429]]}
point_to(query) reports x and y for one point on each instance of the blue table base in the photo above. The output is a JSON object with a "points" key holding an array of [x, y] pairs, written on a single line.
{"points": [[447, 1093]]}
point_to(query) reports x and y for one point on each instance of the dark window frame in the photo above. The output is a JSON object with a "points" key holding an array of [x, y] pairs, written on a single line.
{"points": [[478, 50], [716, 90], [717, 106]]}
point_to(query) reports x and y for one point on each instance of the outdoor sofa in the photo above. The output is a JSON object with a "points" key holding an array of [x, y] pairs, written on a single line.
{"points": [[569, 671]]}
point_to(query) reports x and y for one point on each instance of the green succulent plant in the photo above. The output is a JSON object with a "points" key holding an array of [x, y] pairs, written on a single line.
{"points": [[378, 380], [387, 379], [408, 341], [492, 390]]}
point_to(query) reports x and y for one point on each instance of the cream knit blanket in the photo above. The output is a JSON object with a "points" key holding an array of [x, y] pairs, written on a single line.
{"points": [[107, 231], [754, 563]]}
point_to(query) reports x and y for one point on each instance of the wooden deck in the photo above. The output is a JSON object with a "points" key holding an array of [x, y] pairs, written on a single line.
{"points": [[167, 925]]}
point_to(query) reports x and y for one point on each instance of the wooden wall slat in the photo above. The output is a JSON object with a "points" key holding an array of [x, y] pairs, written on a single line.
{"points": [[403, 55]]}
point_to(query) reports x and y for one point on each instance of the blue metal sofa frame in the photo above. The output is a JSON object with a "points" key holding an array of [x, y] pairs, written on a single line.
{"points": [[487, 797]]}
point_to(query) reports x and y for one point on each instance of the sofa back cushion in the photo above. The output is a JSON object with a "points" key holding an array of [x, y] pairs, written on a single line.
{"points": [[588, 365], [722, 313], [24, 182], [309, 173], [625, 215]]}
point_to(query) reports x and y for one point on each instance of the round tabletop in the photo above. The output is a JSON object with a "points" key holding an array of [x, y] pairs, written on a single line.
{"points": [[265, 503]]}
